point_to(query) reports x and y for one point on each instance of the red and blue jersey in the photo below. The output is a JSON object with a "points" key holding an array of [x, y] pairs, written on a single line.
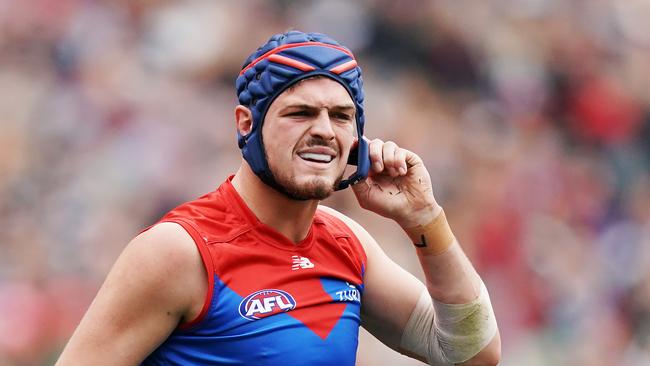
{"points": [[269, 301]]}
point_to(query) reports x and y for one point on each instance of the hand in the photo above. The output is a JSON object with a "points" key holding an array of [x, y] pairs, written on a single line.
{"points": [[398, 186]]}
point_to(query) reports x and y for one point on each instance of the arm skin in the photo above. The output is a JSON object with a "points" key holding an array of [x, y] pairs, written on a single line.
{"points": [[389, 286], [157, 282], [399, 188]]}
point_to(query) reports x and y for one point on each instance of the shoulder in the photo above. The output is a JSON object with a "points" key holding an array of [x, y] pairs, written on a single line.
{"points": [[150, 289], [376, 257], [165, 263], [216, 216], [168, 241], [328, 211], [362, 235]]}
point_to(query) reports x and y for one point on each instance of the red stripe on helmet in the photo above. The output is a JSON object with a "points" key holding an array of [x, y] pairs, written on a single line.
{"points": [[293, 45], [344, 67], [279, 59]]}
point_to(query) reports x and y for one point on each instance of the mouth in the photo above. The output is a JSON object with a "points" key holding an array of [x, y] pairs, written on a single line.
{"points": [[316, 158], [319, 155]]}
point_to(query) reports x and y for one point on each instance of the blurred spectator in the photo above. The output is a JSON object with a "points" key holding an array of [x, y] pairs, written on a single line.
{"points": [[533, 117]]}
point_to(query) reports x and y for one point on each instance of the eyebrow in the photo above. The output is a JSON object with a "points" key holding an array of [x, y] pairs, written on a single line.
{"points": [[340, 107]]}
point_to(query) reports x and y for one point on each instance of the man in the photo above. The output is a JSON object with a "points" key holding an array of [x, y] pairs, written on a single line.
{"points": [[289, 281]]}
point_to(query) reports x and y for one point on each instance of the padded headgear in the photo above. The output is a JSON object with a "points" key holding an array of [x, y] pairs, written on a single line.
{"points": [[280, 63]]}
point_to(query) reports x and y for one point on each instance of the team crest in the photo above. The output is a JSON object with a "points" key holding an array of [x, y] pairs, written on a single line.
{"points": [[263, 303]]}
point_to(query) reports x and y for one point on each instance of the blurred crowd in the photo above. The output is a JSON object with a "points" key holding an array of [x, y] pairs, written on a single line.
{"points": [[532, 116]]}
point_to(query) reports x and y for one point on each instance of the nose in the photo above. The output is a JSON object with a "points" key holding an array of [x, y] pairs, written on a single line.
{"points": [[322, 125]]}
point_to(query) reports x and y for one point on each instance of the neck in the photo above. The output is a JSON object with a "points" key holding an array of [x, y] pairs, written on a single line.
{"points": [[292, 218]]}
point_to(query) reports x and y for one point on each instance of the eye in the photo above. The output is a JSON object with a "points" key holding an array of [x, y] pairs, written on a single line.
{"points": [[343, 116], [300, 113]]}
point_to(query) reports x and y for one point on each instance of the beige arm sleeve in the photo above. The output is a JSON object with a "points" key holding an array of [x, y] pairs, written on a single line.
{"points": [[449, 333]]}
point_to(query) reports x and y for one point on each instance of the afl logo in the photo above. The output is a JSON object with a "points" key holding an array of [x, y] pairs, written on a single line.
{"points": [[263, 303]]}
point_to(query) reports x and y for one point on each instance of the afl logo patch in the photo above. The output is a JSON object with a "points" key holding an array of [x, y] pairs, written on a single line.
{"points": [[263, 303]]}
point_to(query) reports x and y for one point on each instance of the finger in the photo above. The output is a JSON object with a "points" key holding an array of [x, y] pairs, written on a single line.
{"points": [[400, 161], [375, 151], [388, 154], [412, 159]]}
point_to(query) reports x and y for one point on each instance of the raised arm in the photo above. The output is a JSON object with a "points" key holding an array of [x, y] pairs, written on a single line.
{"points": [[452, 323], [158, 281]]}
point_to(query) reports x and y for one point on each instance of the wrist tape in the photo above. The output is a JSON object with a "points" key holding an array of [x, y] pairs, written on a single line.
{"points": [[434, 237], [449, 333]]}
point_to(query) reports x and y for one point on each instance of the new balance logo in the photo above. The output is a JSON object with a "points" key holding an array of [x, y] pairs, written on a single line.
{"points": [[301, 262]]}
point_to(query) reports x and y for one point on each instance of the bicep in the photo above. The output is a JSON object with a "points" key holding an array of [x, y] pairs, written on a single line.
{"points": [[390, 292], [389, 297], [140, 303]]}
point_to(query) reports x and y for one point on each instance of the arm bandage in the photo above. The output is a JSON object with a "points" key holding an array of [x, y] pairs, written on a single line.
{"points": [[456, 333]]}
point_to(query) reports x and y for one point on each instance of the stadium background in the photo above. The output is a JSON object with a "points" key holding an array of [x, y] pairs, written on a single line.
{"points": [[533, 117]]}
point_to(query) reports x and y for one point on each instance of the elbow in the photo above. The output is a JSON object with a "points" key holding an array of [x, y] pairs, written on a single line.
{"points": [[494, 350], [491, 357], [488, 356]]}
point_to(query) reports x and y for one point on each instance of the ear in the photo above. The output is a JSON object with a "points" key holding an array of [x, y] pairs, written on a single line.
{"points": [[243, 120]]}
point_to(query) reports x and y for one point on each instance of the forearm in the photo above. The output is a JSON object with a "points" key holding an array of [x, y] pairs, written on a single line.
{"points": [[450, 277], [464, 322], [452, 323]]}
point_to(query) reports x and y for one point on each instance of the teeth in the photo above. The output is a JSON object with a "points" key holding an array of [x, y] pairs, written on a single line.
{"points": [[317, 157]]}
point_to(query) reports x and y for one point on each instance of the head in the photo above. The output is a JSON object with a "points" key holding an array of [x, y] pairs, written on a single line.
{"points": [[294, 93], [308, 132]]}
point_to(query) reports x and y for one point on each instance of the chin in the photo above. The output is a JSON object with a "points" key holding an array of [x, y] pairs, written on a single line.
{"points": [[306, 188], [309, 188]]}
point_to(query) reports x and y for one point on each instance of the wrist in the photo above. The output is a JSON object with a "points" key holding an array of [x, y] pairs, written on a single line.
{"points": [[434, 237], [420, 217]]}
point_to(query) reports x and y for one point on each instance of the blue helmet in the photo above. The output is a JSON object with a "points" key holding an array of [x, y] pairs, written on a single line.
{"points": [[280, 63]]}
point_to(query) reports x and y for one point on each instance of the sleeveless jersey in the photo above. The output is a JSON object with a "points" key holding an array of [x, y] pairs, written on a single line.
{"points": [[269, 301]]}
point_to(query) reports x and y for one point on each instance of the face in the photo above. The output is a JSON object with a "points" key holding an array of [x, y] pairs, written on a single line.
{"points": [[308, 132]]}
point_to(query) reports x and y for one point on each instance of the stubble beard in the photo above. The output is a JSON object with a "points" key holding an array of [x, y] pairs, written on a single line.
{"points": [[316, 188]]}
